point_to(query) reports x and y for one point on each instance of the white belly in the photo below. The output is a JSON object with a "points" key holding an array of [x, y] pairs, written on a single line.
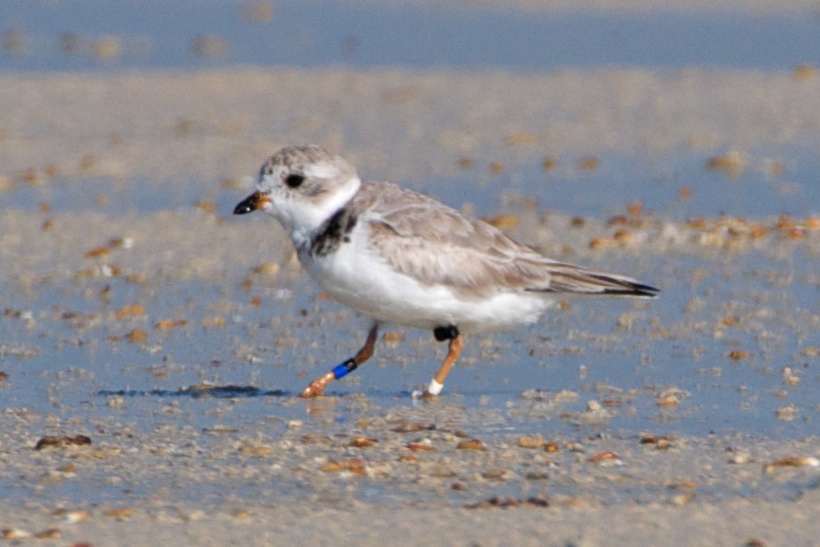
{"points": [[360, 280]]}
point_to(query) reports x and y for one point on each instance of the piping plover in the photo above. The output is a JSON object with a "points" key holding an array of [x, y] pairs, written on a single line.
{"points": [[404, 258]]}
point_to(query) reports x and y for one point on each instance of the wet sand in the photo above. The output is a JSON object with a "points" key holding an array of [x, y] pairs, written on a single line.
{"points": [[397, 476], [353, 468], [627, 6], [395, 124], [734, 523]]}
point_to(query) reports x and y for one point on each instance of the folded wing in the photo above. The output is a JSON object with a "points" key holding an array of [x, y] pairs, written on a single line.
{"points": [[419, 236]]}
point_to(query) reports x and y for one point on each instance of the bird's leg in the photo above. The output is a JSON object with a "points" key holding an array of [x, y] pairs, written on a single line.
{"points": [[317, 386], [456, 345]]}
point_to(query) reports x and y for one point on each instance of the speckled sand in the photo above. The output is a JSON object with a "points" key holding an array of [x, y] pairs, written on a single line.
{"points": [[217, 126]]}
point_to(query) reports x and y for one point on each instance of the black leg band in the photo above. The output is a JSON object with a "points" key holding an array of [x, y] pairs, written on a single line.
{"points": [[445, 333]]}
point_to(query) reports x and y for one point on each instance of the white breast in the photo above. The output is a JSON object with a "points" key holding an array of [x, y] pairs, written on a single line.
{"points": [[357, 277]]}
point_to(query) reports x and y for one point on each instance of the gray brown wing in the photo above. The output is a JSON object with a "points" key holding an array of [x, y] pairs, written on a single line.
{"points": [[419, 236]]}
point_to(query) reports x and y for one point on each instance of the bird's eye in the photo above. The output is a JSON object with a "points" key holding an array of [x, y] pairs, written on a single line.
{"points": [[294, 180]]}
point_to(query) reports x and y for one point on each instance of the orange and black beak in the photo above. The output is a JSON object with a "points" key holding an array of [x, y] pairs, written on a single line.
{"points": [[250, 204]]}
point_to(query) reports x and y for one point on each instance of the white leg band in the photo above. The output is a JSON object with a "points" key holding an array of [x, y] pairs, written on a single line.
{"points": [[434, 388]]}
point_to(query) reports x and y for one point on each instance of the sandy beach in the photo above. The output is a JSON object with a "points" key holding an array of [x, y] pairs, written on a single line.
{"points": [[151, 343]]}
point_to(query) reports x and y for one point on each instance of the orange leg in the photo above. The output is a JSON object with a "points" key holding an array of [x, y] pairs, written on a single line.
{"points": [[454, 350], [317, 386]]}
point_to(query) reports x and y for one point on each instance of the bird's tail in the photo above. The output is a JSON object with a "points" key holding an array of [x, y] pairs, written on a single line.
{"points": [[568, 278]]}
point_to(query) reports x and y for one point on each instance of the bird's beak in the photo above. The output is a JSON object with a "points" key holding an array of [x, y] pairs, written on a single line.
{"points": [[251, 203]]}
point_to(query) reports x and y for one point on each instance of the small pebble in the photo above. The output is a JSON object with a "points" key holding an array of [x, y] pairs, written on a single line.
{"points": [[471, 444], [531, 441], [606, 459], [16, 533]]}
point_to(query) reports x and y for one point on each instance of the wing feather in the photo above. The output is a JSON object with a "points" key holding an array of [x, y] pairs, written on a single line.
{"points": [[420, 237]]}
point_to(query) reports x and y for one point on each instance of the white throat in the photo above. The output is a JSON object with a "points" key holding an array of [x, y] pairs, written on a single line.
{"points": [[302, 217]]}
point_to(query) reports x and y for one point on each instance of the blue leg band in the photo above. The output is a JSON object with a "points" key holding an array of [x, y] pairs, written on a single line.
{"points": [[340, 371]]}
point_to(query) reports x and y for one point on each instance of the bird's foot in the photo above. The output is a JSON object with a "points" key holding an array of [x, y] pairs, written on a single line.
{"points": [[425, 395], [317, 387], [430, 394]]}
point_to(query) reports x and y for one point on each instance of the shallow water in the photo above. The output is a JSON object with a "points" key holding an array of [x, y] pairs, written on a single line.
{"points": [[263, 356], [165, 35]]}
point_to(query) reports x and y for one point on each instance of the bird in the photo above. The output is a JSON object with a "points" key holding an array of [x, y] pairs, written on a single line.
{"points": [[400, 257]]}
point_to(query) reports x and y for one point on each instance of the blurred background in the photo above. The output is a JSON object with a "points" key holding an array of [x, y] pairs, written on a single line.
{"points": [[93, 35], [643, 99], [673, 141]]}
